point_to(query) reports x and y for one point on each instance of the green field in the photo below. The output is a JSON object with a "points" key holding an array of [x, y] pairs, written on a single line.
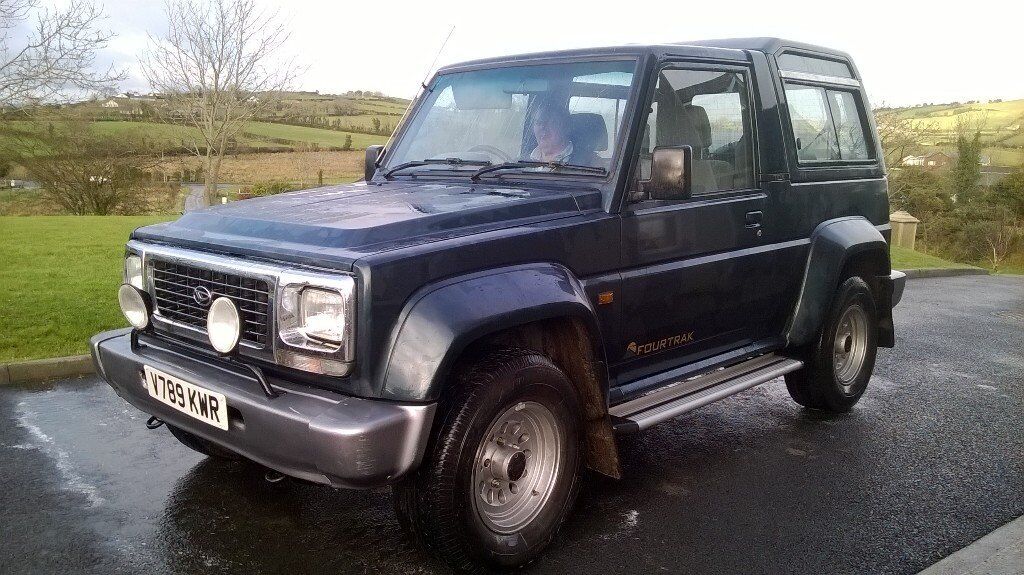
{"points": [[372, 106], [1001, 125], [58, 281], [992, 115], [305, 135], [904, 259], [258, 136]]}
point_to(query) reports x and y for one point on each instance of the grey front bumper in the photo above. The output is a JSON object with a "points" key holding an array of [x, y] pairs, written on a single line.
{"points": [[897, 281], [305, 432]]}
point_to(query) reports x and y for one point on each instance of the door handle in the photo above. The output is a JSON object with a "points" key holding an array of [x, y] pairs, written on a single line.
{"points": [[753, 219]]}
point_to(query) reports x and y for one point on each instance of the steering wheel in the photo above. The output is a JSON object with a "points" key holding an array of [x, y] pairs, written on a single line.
{"points": [[492, 150]]}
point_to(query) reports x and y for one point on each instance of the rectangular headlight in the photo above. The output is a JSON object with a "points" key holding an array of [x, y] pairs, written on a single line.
{"points": [[316, 321], [322, 315]]}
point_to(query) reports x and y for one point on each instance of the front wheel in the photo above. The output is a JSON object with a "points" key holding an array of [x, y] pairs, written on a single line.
{"points": [[840, 361], [504, 468]]}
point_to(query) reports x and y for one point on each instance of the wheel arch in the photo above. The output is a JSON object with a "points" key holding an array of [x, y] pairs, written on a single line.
{"points": [[441, 321], [838, 247], [539, 307]]}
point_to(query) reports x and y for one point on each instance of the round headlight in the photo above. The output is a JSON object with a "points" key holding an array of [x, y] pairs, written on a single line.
{"points": [[134, 305], [223, 325]]}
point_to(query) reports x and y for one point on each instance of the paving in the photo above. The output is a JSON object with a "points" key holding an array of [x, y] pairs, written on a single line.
{"points": [[998, 553], [930, 461]]}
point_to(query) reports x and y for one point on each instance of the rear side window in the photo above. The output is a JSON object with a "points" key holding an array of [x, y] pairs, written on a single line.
{"points": [[827, 124], [817, 66], [812, 124], [852, 145]]}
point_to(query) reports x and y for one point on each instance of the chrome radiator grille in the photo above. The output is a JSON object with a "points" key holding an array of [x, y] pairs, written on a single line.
{"points": [[183, 293]]}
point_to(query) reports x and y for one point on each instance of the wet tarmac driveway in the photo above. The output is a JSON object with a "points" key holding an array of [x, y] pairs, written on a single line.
{"points": [[930, 460]]}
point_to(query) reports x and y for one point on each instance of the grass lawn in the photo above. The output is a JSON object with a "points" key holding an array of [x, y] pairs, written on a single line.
{"points": [[904, 259], [58, 281]]}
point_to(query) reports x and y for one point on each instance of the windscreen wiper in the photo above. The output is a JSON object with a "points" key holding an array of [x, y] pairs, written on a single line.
{"points": [[435, 161], [555, 166]]}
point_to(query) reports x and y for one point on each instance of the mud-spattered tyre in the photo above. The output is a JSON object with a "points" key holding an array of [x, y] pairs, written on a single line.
{"points": [[201, 445], [503, 467], [840, 361]]}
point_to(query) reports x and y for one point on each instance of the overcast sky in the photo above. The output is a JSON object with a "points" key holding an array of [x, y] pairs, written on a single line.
{"points": [[907, 52]]}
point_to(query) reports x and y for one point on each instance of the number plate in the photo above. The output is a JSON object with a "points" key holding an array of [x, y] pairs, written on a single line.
{"points": [[205, 405]]}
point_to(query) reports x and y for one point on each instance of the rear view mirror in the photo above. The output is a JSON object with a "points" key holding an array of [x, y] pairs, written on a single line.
{"points": [[483, 94], [370, 167], [671, 173]]}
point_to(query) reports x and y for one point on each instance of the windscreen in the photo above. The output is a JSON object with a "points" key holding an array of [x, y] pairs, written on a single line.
{"points": [[562, 114]]}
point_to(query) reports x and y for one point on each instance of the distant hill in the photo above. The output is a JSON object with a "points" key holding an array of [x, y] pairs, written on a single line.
{"points": [[1001, 124], [300, 121]]}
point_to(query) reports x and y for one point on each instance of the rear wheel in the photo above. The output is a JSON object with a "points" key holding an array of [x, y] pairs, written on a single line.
{"points": [[201, 445], [841, 360], [504, 467]]}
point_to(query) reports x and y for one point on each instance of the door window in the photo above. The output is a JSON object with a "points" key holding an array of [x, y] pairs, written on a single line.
{"points": [[707, 110]]}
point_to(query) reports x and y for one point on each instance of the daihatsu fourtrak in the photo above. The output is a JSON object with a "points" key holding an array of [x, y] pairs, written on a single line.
{"points": [[553, 249]]}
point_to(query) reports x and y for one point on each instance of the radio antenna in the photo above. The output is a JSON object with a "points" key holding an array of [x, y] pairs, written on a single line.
{"points": [[430, 70], [422, 88]]}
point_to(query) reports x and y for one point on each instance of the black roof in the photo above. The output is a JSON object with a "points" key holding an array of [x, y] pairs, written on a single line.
{"points": [[769, 45], [724, 49]]}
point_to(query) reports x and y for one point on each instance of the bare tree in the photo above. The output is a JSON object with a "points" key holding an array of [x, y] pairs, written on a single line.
{"points": [[1002, 239], [900, 135], [219, 66], [56, 56], [82, 171]]}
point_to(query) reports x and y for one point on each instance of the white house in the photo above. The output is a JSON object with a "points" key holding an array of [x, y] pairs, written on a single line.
{"points": [[932, 160]]}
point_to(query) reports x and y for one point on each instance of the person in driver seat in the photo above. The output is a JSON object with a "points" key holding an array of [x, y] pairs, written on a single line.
{"points": [[550, 127], [560, 141]]}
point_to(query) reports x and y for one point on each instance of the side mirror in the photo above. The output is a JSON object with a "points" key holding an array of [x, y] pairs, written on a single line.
{"points": [[372, 155], [671, 173]]}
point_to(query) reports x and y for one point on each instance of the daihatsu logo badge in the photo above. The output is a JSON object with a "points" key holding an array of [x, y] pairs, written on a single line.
{"points": [[202, 295]]}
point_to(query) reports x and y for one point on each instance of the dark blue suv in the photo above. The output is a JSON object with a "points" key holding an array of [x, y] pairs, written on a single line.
{"points": [[552, 249]]}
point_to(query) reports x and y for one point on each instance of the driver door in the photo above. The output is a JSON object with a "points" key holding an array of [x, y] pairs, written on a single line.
{"points": [[692, 261]]}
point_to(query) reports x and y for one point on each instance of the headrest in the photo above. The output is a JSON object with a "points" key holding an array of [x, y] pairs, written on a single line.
{"points": [[588, 132], [698, 117]]}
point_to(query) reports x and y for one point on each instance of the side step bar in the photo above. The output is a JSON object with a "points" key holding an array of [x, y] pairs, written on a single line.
{"points": [[683, 396]]}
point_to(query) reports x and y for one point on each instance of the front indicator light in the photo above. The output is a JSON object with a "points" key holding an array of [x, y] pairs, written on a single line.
{"points": [[135, 305], [133, 271]]}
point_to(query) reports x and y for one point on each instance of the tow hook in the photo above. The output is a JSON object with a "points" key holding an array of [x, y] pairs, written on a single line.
{"points": [[154, 423], [273, 476]]}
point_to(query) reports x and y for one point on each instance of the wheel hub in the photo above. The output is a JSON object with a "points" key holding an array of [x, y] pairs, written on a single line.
{"points": [[516, 466], [506, 462], [850, 345]]}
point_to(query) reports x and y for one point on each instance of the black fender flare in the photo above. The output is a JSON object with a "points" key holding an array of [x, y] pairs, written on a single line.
{"points": [[440, 320], [833, 244]]}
